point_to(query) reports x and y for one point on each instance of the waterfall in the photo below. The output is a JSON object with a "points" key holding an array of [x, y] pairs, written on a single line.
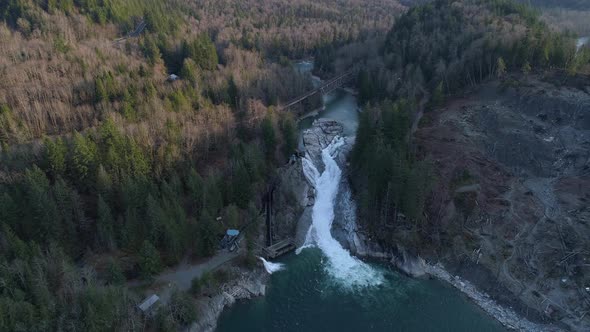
{"points": [[271, 267], [341, 265]]}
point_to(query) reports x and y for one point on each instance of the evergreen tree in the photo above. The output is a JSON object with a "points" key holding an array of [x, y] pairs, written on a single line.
{"points": [[155, 219], [231, 216], [438, 96], [105, 224], [66, 224], [241, 185], [195, 188], [55, 154], [202, 51], [150, 262], [289, 137], [268, 137], [189, 71], [212, 195], [100, 91], [83, 157], [500, 67], [8, 210], [526, 68], [115, 274], [104, 184], [151, 50], [233, 93], [137, 164], [41, 212], [13, 247], [182, 309], [207, 232], [366, 90]]}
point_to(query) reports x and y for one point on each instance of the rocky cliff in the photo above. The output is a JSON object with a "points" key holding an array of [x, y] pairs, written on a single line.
{"points": [[510, 208], [247, 285], [295, 195]]}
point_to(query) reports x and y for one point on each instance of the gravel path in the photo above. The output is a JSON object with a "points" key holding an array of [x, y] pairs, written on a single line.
{"points": [[181, 276]]}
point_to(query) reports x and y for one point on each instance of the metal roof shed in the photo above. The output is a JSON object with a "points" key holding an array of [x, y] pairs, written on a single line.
{"points": [[148, 303]]}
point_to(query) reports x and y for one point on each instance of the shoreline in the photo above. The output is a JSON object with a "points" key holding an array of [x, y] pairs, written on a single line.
{"points": [[506, 316], [248, 285], [416, 267], [253, 283]]}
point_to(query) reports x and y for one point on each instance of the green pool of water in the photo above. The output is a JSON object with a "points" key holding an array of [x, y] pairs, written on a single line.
{"points": [[303, 297]]}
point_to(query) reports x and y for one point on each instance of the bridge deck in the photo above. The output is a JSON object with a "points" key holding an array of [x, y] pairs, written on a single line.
{"points": [[326, 87]]}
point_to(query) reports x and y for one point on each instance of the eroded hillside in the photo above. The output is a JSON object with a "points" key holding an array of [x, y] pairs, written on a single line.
{"points": [[512, 162]]}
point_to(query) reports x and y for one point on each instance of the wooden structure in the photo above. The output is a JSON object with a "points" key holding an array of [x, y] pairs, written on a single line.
{"points": [[272, 249], [231, 240], [280, 248]]}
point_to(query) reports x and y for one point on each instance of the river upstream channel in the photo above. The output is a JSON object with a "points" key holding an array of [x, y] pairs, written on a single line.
{"points": [[323, 288]]}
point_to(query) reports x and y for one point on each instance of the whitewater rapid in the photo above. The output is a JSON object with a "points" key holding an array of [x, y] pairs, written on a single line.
{"points": [[341, 265], [271, 267]]}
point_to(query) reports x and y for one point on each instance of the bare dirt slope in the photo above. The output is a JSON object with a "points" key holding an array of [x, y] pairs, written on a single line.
{"points": [[511, 206]]}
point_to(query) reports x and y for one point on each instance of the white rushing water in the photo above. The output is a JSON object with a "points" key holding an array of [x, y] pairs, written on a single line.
{"points": [[341, 265], [271, 267], [581, 42]]}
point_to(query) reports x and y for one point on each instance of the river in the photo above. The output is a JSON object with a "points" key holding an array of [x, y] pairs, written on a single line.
{"points": [[324, 288]]}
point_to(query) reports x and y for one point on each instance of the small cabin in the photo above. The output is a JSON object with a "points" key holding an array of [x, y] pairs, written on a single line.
{"points": [[230, 240]]}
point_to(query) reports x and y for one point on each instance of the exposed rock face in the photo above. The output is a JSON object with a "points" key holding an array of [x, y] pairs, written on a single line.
{"points": [[292, 196], [248, 285], [318, 137], [414, 266], [296, 196], [510, 210], [362, 246]]}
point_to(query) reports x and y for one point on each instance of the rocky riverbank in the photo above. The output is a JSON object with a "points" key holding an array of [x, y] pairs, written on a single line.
{"points": [[417, 267], [247, 285], [506, 316]]}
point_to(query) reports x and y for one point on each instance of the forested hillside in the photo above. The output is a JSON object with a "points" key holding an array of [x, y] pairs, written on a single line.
{"points": [[566, 15], [570, 4], [109, 171], [449, 161], [433, 51]]}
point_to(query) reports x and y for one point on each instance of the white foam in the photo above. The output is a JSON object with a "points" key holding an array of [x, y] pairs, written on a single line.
{"points": [[271, 267], [341, 265]]}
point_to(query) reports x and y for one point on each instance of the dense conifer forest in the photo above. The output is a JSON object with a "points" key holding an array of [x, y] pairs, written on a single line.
{"points": [[110, 172]]}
